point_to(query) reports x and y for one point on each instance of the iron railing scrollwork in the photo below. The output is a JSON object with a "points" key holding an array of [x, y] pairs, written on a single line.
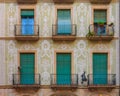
{"points": [[64, 29], [26, 30], [99, 79], [26, 79], [64, 79], [101, 30]]}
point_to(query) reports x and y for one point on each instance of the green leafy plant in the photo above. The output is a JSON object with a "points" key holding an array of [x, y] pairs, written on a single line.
{"points": [[101, 23], [90, 34]]}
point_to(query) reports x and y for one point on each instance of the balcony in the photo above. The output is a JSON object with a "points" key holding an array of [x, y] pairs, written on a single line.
{"points": [[100, 1], [64, 32], [63, 81], [99, 32], [26, 80], [27, 1], [27, 32], [101, 81], [63, 1]]}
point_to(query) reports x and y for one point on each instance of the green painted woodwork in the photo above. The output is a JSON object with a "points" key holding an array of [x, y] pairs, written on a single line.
{"points": [[64, 21], [100, 16], [63, 68], [25, 13], [27, 68], [100, 68]]}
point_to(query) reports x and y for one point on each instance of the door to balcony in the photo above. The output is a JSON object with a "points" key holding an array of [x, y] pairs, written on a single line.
{"points": [[27, 68], [64, 22], [27, 22], [100, 68], [63, 69]]}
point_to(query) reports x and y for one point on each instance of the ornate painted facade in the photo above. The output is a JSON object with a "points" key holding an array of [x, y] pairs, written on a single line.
{"points": [[45, 48]]}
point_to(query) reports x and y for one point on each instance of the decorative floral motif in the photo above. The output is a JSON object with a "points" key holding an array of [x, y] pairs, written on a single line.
{"points": [[46, 57], [46, 20], [27, 46], [11, 19], [81, 56], [12, 64], [81, 18]]}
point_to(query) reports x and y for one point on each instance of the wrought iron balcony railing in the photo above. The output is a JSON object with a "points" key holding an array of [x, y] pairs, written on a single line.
{"points": [[27, 32], [102, 30], [101, 80], [64, 79], [66, 30], [26, 79]]}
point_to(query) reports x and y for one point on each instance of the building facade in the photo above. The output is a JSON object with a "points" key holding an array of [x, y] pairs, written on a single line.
{"points": [[59, 48]]}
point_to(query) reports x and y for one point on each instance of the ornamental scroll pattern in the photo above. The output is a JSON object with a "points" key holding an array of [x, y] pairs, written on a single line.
{"points": [[46, 61], [11, 60], [82, 18], [11, 19], [46, 20], [81, 58]]}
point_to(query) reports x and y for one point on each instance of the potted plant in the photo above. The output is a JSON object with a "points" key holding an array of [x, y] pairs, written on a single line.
{"points": [[101, 24], [90, 34]]}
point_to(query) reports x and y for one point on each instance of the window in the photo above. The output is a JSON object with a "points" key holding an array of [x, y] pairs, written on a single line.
{"points": [[100, 19], [100, 63], [100, 16], [64, 21], [63, 62], [27, 21], [27, 65]]}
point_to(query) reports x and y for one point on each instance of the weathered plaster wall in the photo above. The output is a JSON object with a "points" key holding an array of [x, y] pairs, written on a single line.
{"points": [[45, 55], [46, 47], [45, 17]]}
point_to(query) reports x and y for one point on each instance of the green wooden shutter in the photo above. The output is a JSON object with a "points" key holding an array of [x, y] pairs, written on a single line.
{"points": [[27, 13], [100, 68], [63, 68], [27, 68], [64, 21], [100, 16]]}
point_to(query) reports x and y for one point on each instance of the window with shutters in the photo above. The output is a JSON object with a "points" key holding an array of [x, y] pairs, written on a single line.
{"points": [[100, 19], [27, 21], [26, 27], [64, 20], [100, 16]]}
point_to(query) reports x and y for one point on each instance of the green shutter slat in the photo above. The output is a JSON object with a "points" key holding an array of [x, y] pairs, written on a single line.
{"points": [[100, 16], [100, 68], [64, 21], [27, 12], [63, 68], [27, 68]]}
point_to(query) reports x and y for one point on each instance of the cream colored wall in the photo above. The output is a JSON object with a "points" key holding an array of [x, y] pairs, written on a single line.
{"points": [[45, 48], [45, 10]]}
